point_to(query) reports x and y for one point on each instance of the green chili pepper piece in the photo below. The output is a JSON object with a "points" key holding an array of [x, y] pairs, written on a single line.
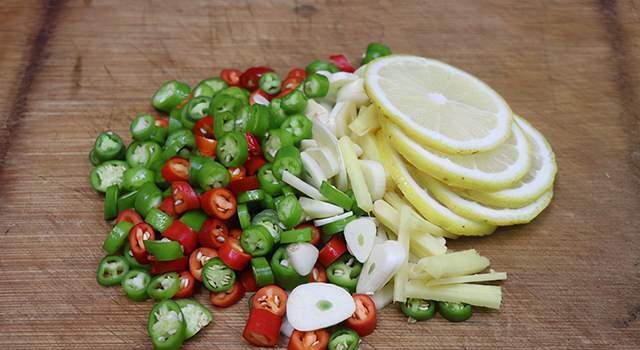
{"points": [[131, 260], [134, 178], [335, 196], [274, 140], [298, 126], [196, 109], [177, 142], [278, 115], [111, 202], [317, 66], [194, 219], [213, 175], [116, 238], [287, 158], [111, 270], [418, 309], [268, 219], [294, 102], [158, 219], [238, 93], [163, 286], [344, 272], [259, 117], [166, 326], [267, 201], [175, 123], [337, 226], [217, 277], [344, 339], [107, 174], [316, 85], [127, 200], [256, 240], [375, 50], [294, 236], [289, 211], [159, 134], [196, 316], [262, 272], [232, 149], [142, 127], [135, 283], [268, 182], [93, 158], [270, 83], [285, 276], [455, 312], [108, 146], [164, 250], [209, 87], [169, 95], [243, 216], [250, 196], [149, 196]]}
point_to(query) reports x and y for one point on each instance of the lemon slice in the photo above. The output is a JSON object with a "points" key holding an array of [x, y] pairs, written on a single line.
{"points": [[537, 181], [438, 105], [422, 200], [493, 170], [482, 213]]}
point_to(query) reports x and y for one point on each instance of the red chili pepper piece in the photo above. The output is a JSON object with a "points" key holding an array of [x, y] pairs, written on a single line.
{"points": [[206, 146], [178, 265], [298, 73], [254, 163], [213, 233], [198, 259], [204, 127], [183, 234], [289, 85], [237, 173], [250, 79], [332, 251], [167, 207], [342, 62], [260, 97], [129, 215], [162, 122], [248, 280], [184, 197], [263, 328], [228, 298], [176, 169], [363, 320], [247, 184], [231, 76], [219, 202], [137, 235], [187, 285], [318, 274], [232, 254], [254, 144]]}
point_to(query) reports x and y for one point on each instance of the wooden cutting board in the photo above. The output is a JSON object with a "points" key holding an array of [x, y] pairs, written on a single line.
{"points": [[69, 69]]}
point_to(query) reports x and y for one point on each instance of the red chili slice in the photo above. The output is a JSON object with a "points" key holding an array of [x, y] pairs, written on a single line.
{"points": [[363, 320], [248, 280], [318, 274], [183, 234], [198, 259], [235, 233], [232, 254], [342, 62], [176, 169], [247, 184], [206, 146], [332, 251], [260, 97], [231, 76], [298, 73], [263, 328], [250, 79], [129, 215], [162, 122], [187, 285], [219, 202], [254, 163], [289, 85], [137, 235], [178, 265], [213, 233], [228, 298], [184, 197], [204, 127], [254, 144], [167, 207], [237, 173]]}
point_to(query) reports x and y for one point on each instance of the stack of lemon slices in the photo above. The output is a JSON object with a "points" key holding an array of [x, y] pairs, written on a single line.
{"points": [[455, 149]]}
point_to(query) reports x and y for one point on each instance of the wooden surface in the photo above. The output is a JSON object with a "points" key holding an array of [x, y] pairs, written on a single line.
{"points": [[71, 69]]}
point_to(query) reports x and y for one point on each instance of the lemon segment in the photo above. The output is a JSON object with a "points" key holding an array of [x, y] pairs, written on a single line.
{"points": [[538, 180], [421, 199], [438, 105]]}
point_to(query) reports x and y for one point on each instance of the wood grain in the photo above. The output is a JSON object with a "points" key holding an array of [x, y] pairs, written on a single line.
{"points": [[69, 69]]}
